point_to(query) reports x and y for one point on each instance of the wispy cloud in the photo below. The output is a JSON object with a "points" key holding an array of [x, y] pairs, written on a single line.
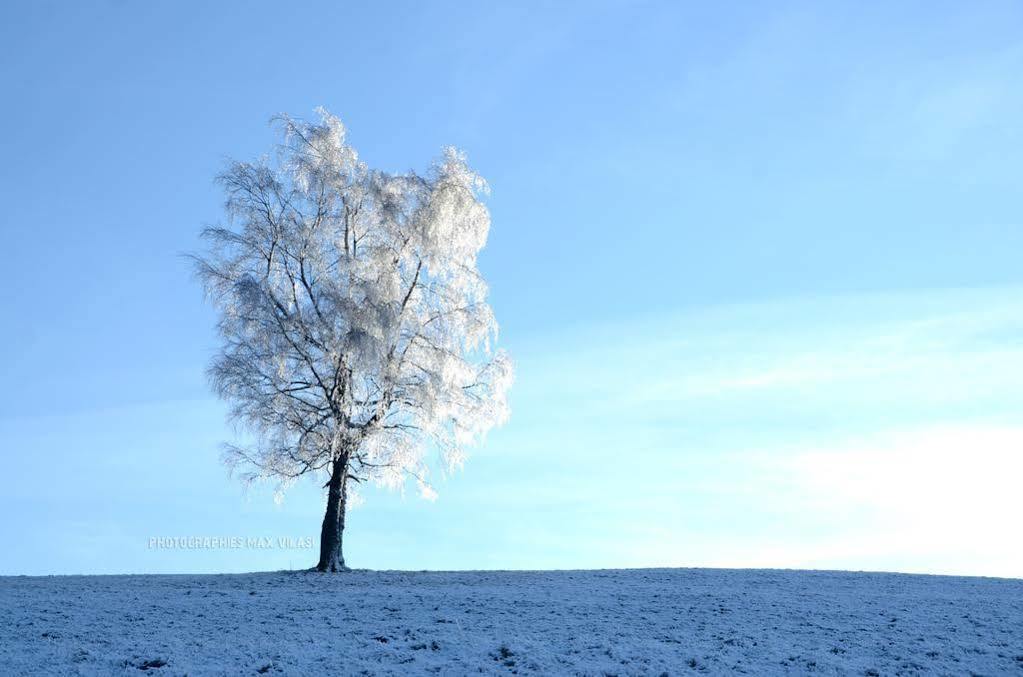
{"points": [[867, 431]]}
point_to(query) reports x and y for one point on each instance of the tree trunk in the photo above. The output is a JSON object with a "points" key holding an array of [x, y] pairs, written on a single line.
{"points": [[331, 556]]}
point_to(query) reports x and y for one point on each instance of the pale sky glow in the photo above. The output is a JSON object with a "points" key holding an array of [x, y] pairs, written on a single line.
{"points": [[758, 269], [947, 492]]}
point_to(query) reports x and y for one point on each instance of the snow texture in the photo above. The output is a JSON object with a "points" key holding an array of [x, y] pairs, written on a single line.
{"points": [[624, 622]]}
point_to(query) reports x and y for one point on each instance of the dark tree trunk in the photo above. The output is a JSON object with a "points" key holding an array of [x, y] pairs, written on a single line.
{"points": [[331, 555]]}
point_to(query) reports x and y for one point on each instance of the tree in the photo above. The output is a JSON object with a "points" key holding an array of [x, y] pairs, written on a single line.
{"points": [[356, 335]]}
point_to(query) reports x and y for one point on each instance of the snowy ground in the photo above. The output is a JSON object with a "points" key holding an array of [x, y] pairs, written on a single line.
{"points": [[652, 621]]}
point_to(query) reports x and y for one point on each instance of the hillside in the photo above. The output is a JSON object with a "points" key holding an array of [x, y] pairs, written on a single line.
{"points": [[653, 621]]}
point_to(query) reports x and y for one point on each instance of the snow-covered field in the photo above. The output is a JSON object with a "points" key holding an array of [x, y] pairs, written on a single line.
{"points": [[646, 621]]}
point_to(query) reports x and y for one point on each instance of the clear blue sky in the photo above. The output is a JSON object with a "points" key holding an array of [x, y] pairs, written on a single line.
{"points": [[759, 268]]}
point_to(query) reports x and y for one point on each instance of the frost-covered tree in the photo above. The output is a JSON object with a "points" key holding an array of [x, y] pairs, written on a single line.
{"points": [[356, 332]]}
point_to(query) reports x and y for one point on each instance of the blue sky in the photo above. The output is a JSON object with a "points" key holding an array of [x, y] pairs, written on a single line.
{"points": [[758, 267]]}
